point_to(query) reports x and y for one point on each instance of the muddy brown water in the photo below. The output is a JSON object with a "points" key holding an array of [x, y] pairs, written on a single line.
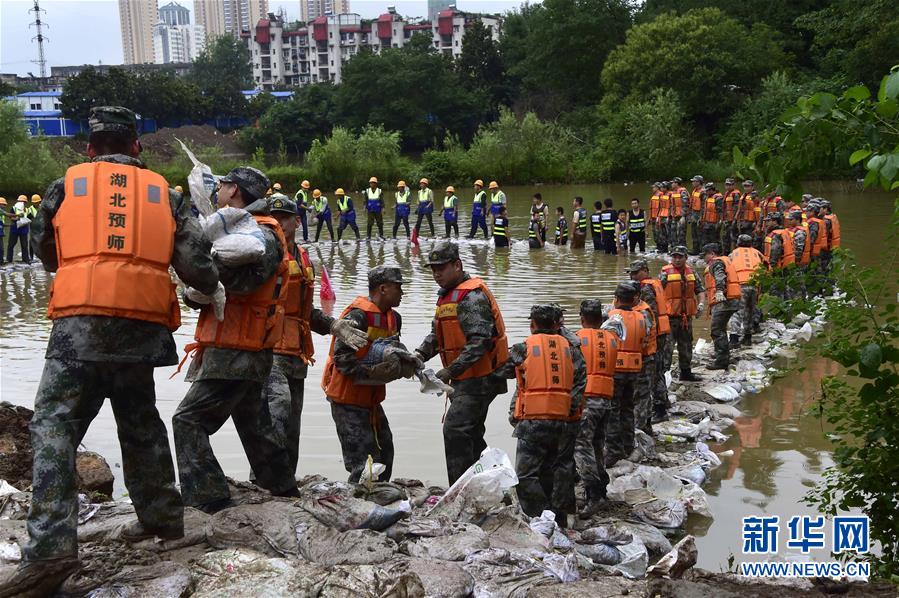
{"points": [[779, 450]]}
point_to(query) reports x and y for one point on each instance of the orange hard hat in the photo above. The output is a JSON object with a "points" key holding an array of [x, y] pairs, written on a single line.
{"points": [[494, 185], [450, 189], [479, 183], [304, 184], [401, 184], [316, 193], [373, 179], [423, 180]]}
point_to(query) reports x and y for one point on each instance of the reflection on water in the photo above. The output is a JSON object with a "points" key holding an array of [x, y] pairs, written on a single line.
{"points": [[778, 451]]}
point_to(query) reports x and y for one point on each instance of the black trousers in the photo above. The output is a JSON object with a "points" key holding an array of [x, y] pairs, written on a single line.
{"points": [[597, 242], [637, 238], [396, 224], [451, 226], [430, 218], [318, 228], [22, 240], [305, 224]]}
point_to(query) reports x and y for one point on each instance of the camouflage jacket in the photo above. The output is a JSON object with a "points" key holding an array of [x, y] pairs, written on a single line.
{"points": [[233, 364], [719, 272], [776, 252], [800, 238], [344, 356], [120, 340], [478, 325]]}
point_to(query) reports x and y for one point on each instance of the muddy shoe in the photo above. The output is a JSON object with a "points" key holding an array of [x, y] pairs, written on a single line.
{"points": [[136, 531], [659, 415], [746, 342], [592, 508], [36, 579], [689, 376], [211, 508], [718, 366]]}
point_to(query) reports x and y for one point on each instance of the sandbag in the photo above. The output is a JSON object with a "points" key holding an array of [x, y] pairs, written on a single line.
{"points": [[600, 553], [479, 489], [345, 512], [674, 563], [561, 566], [634, 559], [606, 534], [692, 472], [267, 528], [662, 512], [457, 542], [236, 238], [164, 579], [499, 573], [508, 530], [440, 579], [650, 536], [240, 573], [329, 546], [644, 484]]}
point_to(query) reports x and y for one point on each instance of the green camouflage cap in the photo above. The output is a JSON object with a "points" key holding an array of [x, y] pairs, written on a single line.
{"points": [[729, 181], [250, 180], [744, 241], [384, 274], [546, 311], [282, 204], [444, 252], [775, 217], [112, 119], [794, 215], [637, 265], [714, 247], [591, 307], [679, 250], [627, 289]]}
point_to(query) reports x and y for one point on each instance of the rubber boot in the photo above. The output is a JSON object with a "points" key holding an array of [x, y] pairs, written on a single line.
{"points": [[659, 414], [688, 376], [747, 341], [734, 340]]}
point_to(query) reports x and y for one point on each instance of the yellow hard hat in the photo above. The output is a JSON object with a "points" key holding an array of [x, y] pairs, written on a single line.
{"points": [[276, 186], [423, 180], [339, 191], [494, 185], [373, 179], [35, 198], [450, 189], [316, 193], [179, 189], [22, 198], [479, 183], [2, 201], [304, 184], [401, 184]]}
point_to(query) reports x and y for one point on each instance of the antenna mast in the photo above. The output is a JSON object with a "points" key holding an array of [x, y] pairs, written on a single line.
{"points": [[39, 25]]}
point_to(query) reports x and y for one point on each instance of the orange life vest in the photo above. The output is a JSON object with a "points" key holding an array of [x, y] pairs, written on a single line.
{"points": [[677, 202], [834, 230], [652, 340], [787, 240], [451, 339], [732, 291], [115, 234], [745, 261], [654, 205], [600, 350], [255, 321], [806, 256], [730, 204], [696, 200], [661, 304], [664, 204], [710, 214], [545, 379], [680, 291], [296, 338], [747, 208], [343, 389], [630, 352], [820, 243]]}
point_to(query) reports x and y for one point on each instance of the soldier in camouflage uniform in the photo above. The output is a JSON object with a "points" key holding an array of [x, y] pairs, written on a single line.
{"points": [[693, 216], [793, 223], [463, 426], [679, 223], [682, 322], [544, 458], [284, 388], [228, 382], [362, 425], [711, 232], [663, 223], [658, 401], [722, 307], [775, 255], [91, 357]]}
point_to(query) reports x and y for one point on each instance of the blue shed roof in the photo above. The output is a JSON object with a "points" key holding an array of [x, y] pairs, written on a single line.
{"points": [[40, 94]]}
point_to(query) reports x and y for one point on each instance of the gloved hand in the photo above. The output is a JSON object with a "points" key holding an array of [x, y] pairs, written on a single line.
{"points": [[408, 368], [413, 360], [719, 296], [385, 372], [217, 299], [444, 376], [700, 308], [345, 331]]}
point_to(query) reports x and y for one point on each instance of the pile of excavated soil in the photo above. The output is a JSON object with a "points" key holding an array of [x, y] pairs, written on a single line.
{"points": [[16, 455], [162, 143]]}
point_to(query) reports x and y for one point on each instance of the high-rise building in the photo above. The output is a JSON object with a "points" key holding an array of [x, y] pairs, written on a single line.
{"points": [[138, 18], [178, 43], [312, 9], [219, 17], [174, 14]]}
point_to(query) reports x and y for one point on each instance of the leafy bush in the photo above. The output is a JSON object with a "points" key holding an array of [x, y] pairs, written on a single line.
{"points": [[347, 160]]}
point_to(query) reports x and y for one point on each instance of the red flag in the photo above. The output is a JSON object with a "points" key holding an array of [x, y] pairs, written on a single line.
{"points": [[414, 239], [327, 292]]}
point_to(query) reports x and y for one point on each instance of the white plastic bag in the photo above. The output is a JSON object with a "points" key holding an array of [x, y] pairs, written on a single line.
{"points": [[236, 238], [561, 566], [201, 183], [480, 488]]}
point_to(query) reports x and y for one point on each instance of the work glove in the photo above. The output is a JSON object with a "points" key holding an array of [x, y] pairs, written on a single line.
{"points": [[414, 360], [216, 299], [408, 368], [700, 308], [444, 376], [385, 372], [719, 296], [345, 331]]}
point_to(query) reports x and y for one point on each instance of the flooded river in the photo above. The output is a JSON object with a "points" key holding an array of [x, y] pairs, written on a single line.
{"points": [[779, 450]]}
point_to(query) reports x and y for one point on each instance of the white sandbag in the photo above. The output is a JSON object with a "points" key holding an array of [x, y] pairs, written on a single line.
{"points": [[10, 552], [654, 540], [563, 567], [479, 489], [645, 484], [692, 472], [634, 559], [805, 333], [673, 564], [696, 500], [679, 427], [722, 410], [7, 488], [707, 455], [544, 524], [431, 384], [236, 238], [722, 392], [662, 512], [606, 534], [702, 347], [600, 553]]}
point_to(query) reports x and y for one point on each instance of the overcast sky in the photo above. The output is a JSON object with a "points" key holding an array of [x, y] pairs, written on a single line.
{"points": [[88, 31]]}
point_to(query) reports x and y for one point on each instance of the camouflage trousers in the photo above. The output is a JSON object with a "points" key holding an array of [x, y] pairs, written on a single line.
{"points": [[663, 365], [661, 235], [544, 462], [206, 407], [284, 395], [728, 237], [749, 298], [69, 397], [721, 314], [620, 423], [682, 339], [710, 233], [643, 395], [363, 432], [678, 231], [695, 235], [589, 448], [463, 431]]}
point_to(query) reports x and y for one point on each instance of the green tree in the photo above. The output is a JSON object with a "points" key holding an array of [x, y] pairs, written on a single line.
{"points": [[862, 405], [221, 72], [7, 89], [260, 104], [858, 40], [348, 160], [308, 115], [480, 65], [28, 164], [165, 97], [710, 60], [91, 88], [413, 90]]}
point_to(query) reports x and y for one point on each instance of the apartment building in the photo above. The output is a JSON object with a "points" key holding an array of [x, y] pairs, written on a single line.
{"points": [[137, 18]]}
